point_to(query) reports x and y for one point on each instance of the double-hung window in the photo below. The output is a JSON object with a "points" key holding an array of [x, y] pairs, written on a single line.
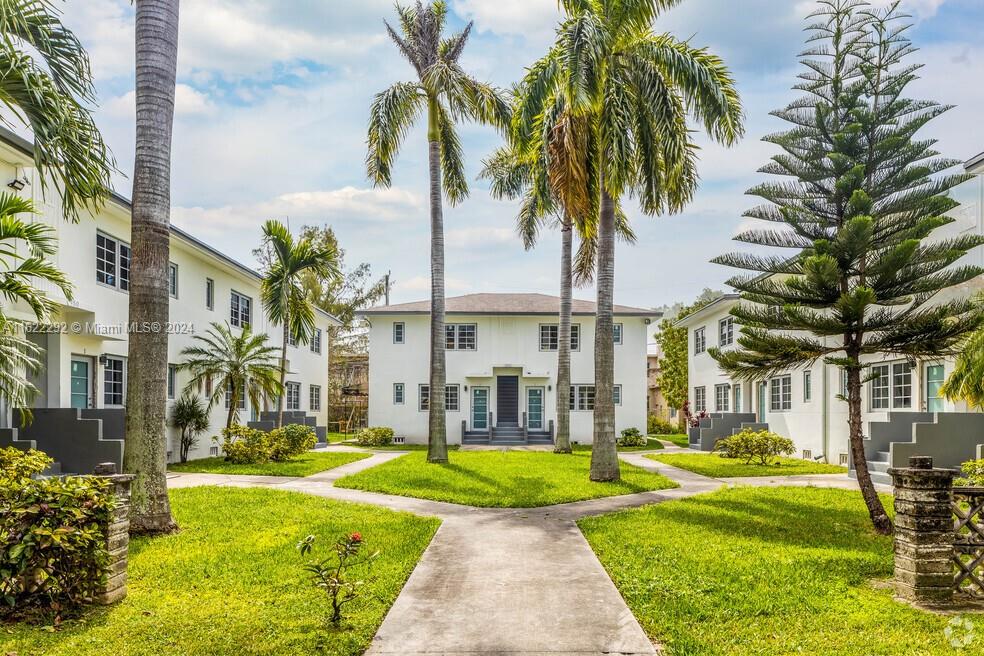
{"points": [[700, 399], [550, 336], [228, 398], [172, 279], [700, 341], [172, 380], [314, 398], [901, 385], [112, 262], [891, 386], [399, 332], [451, 397], [582, 397], [293, 396], [726, 331], [722, 397], [209, 294], [114, 381], [291, 339], [617, 333], [807, 386], [880, 387], [316, 341], [617, 394], [399, 393], [781, 393], [461, 336], [240, 310]]}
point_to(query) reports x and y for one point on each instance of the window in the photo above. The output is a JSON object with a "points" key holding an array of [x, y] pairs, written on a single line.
{"points": [[550, 336], [901, 385], [228, 398], [172, 380], [722, 397], [807, 386], [399, 332], [726, 332], [172, 279], [114, 388], [451, 398], [935, 375], [314, 398], [843, 382], [700, 399], [209, 293], [112, 262], [700, 341], [398, 394], [781, 393], [879, 387], [736, 395], [617, 333], [617, 394], [293, 396], [461, 336], [424, 402], [291, 339], [240, 310], [316, 341], [582, 397]]}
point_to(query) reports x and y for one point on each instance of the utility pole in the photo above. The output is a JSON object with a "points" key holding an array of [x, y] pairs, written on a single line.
{"points": [[388, 287]]}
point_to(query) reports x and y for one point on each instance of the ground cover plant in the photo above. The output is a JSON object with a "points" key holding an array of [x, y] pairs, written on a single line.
{"points": [[306, 464], [716, 466]]}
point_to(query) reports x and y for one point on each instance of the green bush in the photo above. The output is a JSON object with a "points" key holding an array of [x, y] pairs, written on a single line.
{"points": [[632, 437], [973, 473], [761, 446], [52, 537], [290, 441], [378, 436], [659, 426], [245, 446]]}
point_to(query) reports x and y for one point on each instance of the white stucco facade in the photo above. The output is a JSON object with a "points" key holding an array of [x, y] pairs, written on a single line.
{"points": [[505, 345]]}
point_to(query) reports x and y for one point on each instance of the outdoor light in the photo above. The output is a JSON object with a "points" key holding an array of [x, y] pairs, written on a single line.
{"points": [[20, 180], [464, 387], [103, 359]]}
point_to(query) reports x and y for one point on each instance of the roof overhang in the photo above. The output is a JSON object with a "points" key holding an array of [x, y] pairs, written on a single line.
{"points": [[704, 311]]}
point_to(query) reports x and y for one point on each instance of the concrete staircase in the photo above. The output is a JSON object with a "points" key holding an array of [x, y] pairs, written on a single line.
{"points": [[720, 425], [268, 421], [77, 440]]}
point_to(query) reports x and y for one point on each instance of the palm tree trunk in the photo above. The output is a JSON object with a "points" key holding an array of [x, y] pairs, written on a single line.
{"points": [[563, 444], [604, 456], [283, 374], [145, 453], [880, 519], [437, 449]]}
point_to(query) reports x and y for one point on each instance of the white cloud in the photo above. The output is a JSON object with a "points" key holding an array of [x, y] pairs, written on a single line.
{"points": [[478, 237], [188, 102], [525, 17], [418, 284]]}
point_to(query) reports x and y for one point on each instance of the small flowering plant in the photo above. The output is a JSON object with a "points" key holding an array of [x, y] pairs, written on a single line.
{"points": [[333, 574]]}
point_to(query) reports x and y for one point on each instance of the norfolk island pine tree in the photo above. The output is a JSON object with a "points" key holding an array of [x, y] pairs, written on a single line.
{"points": [[864, 197]]}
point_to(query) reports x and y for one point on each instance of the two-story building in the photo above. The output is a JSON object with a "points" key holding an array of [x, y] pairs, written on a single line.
{"points": [[501, 368], [84, 351]]}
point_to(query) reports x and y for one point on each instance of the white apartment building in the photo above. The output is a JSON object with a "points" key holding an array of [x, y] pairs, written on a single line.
{"points": [[501, 368], [85, 359]]}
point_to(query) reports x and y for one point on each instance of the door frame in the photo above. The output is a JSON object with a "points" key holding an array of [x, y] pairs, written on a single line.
{"points": [[488, 404], [498, 399], [90, 383], [763, 393], [543, 406], [925, 382]]}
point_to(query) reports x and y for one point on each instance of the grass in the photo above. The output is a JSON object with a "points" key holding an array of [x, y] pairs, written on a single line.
{"points": [[763, 572], [408, 447], [304, 465], [229, 588], [717, 466], [500, 479], [339, 437], [680, 440], [652, 444]]}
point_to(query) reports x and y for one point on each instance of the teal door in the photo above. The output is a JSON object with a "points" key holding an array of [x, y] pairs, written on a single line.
{"points": [[480, 408], [934, 381], [534, 408], [80, 384]]}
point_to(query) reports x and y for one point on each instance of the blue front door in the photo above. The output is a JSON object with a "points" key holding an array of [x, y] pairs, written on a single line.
{"points": [[534, 408], [480, 408], [80, 384]]}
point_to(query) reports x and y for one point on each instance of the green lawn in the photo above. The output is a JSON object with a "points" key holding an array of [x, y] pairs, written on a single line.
{"points": [[303, 465], [716, 466], [231, 581], [763, 572], [339, 437], [680, 440], [652, 444], [500, 479]]}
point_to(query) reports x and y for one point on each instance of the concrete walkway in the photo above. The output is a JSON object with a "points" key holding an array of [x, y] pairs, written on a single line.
{"points": [[503, 581]]}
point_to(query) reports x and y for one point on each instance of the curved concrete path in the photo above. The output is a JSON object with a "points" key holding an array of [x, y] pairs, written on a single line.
{"points": [[501, 580]]}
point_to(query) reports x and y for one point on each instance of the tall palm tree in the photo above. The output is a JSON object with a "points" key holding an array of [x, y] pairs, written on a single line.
{"points": [[242, 365], [145, 454], [24, 264], [283, 294], [46, 85], [446, 94], [636, 89]]}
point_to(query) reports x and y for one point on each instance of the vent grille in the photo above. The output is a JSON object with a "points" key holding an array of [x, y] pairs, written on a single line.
{"points": [[213, 451], [399, 440], [807, 454], [843, 460]]}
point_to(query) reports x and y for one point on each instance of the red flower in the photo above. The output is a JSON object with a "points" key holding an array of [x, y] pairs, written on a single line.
{"points": [[356, 537]]}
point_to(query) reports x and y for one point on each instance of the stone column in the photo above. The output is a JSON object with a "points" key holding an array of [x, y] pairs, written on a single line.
{"points": [[117, 534], [923, 532]]}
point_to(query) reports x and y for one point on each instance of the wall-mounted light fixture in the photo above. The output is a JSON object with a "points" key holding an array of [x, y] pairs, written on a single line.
{"points": [[464, 387], [20, 179], [104, 359]]}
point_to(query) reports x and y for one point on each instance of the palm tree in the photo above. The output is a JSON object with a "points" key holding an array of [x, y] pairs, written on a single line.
{"points": [[24, 265], [231, 367], [145, 454], [446, 93], [283, 293], [966, 383], [191, 417], [636, 90], [46, 85]]}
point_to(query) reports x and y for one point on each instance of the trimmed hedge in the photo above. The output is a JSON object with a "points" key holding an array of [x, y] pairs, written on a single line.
{"points": [[378, 436], [632, 437], [248, 446], [749, 445]]}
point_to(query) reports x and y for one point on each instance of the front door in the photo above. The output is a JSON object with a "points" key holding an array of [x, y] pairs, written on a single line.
{"points": [[81, 384], [480, 408], [507, 400], [534, 408], [763, 392], [934, 381]]}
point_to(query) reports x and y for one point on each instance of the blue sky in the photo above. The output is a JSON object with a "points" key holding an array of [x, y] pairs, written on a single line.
{"points": [[272, 105]]}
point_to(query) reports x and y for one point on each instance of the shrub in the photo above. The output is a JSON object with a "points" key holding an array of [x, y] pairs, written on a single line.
{"points": [[973, 473], [632, 437], [749, 445], [245, 446], [52, 536], [378, 436], [659, 426], [290, 441], [331, 574]]}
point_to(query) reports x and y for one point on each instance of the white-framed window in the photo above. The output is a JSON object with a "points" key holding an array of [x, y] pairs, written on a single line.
{"points": [[700, 399], [172, 279], [617, 394], [423, 403], [700, 341], [209, 294], [399, 332], [807, 386], [112, 262], [582, 397], [291, 339], [451, 398], [880, 387], [722, 397], [172, 381], [399, 393], [461, 336], [240, 309], [736, 398], [316, 341], [228, 397], [314, 398], [550, 336], [293, 396], [616, 333], [726, 331], [781, 393], [114, 381], [843, 382], [901, 385]]}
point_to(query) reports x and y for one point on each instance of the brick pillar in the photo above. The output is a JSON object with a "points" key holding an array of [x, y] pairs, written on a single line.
{"points": [[923, 532], [117, 534]]}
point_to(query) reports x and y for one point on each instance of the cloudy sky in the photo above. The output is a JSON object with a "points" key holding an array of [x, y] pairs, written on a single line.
{"points": [[271, 112]]}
